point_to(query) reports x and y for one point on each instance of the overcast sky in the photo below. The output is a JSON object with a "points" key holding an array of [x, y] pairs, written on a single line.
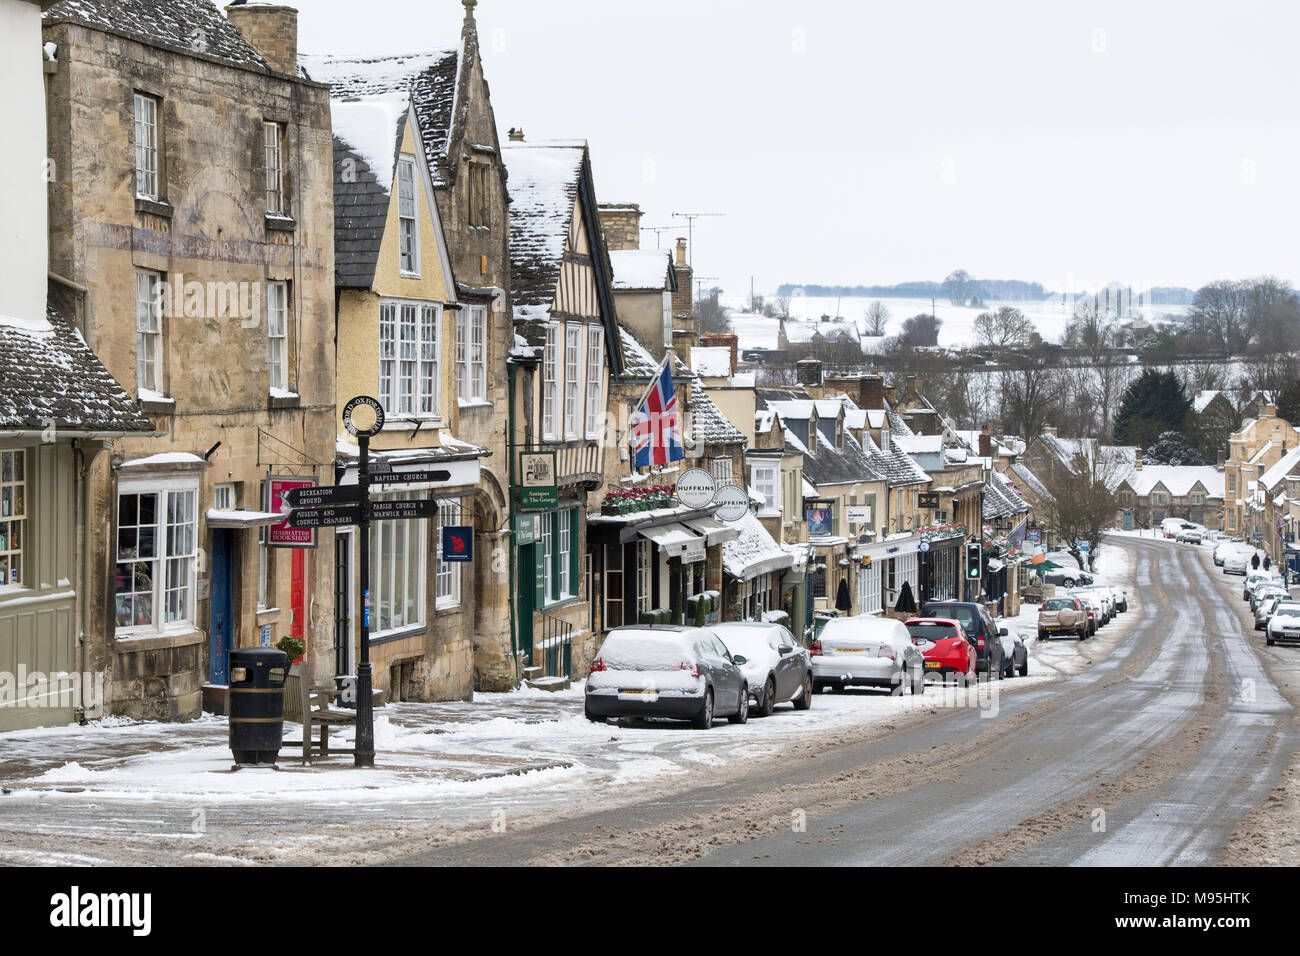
{"points": [[848, 142]]}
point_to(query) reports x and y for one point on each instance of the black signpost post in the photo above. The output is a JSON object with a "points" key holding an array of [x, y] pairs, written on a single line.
{"points": [[349, 505]]}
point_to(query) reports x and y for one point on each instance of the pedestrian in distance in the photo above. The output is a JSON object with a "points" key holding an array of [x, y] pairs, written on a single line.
{"points": [[1254, 562], [1268, 563]]}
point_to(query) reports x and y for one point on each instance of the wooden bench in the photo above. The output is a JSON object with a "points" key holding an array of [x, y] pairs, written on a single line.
{"points": [[317, 712]]}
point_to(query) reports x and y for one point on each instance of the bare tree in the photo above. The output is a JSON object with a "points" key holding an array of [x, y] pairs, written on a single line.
{"points": [[1007, 328], [1032, 387], [1083, 502], [877, 317]]}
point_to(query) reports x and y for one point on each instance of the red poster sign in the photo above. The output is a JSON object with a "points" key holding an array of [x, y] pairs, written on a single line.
{"points": [[281, 535]]}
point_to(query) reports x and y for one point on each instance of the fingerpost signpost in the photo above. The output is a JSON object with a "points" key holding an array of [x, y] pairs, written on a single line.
{"points": [[363, 417]]}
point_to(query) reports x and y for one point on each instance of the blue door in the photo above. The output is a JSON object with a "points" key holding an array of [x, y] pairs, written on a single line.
{"points": [[221, 601], [1128, 521]]}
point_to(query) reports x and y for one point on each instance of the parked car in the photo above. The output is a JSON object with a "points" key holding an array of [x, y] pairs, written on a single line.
{"points": [[946, 648], [1238, 562], [1256, 580], [1284, 625], [1015, 653], [867, 652], [1225, 548], [1100, 597], [1068, 579], [1119, 596], [681, 673], [978, 624], [1265, 592], [1062, 615], [1267, 604], [1093, 609], [776, 668]]}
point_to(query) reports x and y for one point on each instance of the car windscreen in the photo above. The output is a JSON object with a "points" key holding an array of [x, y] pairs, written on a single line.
{"points": [[749, 643], [1059, 604], [964, 615], [1290, 610], [931, 632]]}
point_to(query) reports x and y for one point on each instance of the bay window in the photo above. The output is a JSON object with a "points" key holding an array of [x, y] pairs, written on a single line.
{"points": [[572, 370], [595, 377], [154, 579], [408, 359]]}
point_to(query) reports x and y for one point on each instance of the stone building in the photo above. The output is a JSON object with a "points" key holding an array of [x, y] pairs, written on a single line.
{"points": [[193, 204], [59, 409], [1152, 493], [1259, 444], [456, 126], [559, 371]]}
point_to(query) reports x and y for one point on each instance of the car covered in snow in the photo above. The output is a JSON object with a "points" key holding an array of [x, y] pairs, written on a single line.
{"points": [[1063, 616], [1255, 580], [681, 673], [1015, 653], [1284, 625], [946, 648], [867, 652], [1266, 603], [1237, 560], [776, 668]]}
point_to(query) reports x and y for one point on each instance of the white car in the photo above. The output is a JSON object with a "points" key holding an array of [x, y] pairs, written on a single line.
{"points": [[1284, 625], [1237, 561], [867, 652], [776, 668], [1256, 580]]}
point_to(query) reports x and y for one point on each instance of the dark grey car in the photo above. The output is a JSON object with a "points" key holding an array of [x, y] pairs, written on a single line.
{"points": [[679, 673]]}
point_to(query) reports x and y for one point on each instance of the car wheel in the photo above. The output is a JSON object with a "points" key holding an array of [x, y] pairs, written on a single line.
{"points": [[1069, 582], [804, 700], [590, 716], [1002, 673], [1024, 668], [741, 715], [768, 702], [1083, 633], [1042, 635], [1269, 641], [704, 719]]}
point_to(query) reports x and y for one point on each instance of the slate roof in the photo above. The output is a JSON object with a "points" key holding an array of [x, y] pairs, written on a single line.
{"points": [[828, 465], [642, 269], [754, 552], [431, 80], [544, 183], [171, 24], [1179, 480], [1022, 471], [361, 198], [54, 377], [1000, 499]]}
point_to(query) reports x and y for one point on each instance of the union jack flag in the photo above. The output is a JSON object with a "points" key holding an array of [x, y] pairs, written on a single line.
{"points": [[656, 426]]}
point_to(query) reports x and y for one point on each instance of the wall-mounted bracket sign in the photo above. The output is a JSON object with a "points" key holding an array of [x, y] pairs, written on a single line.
{"points": [[696, 489]]}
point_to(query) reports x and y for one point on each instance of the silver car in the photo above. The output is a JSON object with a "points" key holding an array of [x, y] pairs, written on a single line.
{"points": [[776, 668], [867, 652], [1284, 625]]}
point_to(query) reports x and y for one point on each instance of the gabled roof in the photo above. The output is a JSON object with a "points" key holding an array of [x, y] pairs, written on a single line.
{"points": [[429, 79], [544, 184], [1278, 473], [711, 362], [1178, 480], [367, 137], [1001, 499], [171, 24], [1203, 399], [1023, 472], [52, 377]]}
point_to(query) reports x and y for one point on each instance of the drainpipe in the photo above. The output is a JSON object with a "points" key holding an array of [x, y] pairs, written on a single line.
{"points": [[511, 368], [79, 573]]}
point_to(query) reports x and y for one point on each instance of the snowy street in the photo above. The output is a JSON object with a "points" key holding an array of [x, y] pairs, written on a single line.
{"points": [[1142, 713]]}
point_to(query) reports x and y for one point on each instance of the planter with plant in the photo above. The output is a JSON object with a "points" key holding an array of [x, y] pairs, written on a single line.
{"points": [[294, 647]]}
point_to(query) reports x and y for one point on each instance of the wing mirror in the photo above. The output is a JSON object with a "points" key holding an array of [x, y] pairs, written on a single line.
{"points": [[1003, 633], [786, 649], [738, 660]]}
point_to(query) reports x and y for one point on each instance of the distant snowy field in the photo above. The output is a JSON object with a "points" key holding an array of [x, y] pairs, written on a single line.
{"points": [[958, 328]]}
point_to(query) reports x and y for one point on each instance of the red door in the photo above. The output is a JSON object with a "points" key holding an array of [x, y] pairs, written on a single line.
{"points": [[297, 591]]}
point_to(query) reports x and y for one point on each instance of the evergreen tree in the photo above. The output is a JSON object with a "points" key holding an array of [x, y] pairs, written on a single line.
{"points": [[1154, 403]]}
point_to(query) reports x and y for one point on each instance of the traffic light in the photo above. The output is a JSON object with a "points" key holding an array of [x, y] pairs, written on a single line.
{"points": [[974, 560]]}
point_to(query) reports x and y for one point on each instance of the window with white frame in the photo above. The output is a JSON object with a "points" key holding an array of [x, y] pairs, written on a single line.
{"points": [[766, 480], [869, 590], [408, 358], [572, 378], [146, 146], [277, 334], [644, 587], [397, 572], [13, 515], [223, 496], [549, 359], [448, 573], [907, 569], [407, 205], [564, 555], [148, 332], [595, 378], [470, 354], [154, 579], [721, 469], [273, 136], [545, 531]]}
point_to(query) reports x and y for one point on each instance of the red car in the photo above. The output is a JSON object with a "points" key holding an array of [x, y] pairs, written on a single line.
{"points": [[945, 646]]}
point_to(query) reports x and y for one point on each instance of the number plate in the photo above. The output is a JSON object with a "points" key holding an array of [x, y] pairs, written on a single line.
{"points": [[935, 665], [649, 696]]}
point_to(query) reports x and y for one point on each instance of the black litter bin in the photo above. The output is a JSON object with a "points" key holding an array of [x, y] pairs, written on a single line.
{"points": [[257, 677]]}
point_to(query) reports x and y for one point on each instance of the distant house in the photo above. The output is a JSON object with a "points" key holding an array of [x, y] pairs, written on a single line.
{"points": [[795, 334], [1150, 495], [1214, 418]]}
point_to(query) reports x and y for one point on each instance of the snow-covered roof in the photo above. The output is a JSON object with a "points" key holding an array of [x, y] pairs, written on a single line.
{"points": [[427, 79], [172, 24], [1262, 453], [802, 333], [754, 552], [641, 268], [371, 127], [1278, 473], [920, 444], [1031, 481], [711, 362], [1203, 399], [1178, 480], [50, 377], [544, 183], [1001, 500]]}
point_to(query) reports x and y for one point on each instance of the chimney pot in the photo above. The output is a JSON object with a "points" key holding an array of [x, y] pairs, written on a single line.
{"points": [[516, 134], [681, 251]]}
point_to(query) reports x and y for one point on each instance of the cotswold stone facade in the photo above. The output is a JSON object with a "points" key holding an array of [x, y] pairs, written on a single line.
{"points": [[193, 201]]}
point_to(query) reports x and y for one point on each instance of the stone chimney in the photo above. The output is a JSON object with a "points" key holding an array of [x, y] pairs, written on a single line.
{"points": [[809, 373], [986, 444], [272, 31], [871, 392], [1049, 430], [516, 134], [684, 297], [1270, 411], [1137, 460], [723, 340], [621, 224]]}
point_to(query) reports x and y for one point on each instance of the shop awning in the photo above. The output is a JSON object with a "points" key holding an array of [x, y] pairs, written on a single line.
{"points": [[673, 539], [714, 531], [243, 519]]}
